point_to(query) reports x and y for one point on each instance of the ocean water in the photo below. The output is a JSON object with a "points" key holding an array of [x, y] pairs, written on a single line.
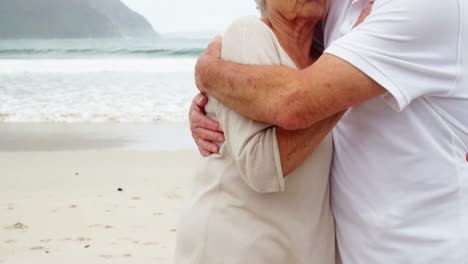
{"points": [[119, 81]]}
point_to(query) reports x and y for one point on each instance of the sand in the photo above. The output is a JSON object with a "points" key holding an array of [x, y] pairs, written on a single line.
{"points": [[91, 206]]}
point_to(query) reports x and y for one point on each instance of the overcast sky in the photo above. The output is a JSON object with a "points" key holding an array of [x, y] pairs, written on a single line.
{"points": [[192, 15]]}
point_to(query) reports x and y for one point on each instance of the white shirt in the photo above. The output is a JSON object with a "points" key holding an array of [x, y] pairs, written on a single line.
{"points": [[400, 170], [241, 210]]}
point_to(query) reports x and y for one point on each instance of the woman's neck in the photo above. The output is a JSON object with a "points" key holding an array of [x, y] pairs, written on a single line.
{"points": [[295, 37]]}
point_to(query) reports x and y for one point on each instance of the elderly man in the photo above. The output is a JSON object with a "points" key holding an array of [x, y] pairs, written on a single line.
{"points": [[400, 170]]}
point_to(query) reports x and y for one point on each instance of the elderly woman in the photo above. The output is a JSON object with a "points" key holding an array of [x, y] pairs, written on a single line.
{"points": [[241, 208]]}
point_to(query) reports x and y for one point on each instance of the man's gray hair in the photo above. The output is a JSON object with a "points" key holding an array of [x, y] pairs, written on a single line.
{"points": [[261, 7]]}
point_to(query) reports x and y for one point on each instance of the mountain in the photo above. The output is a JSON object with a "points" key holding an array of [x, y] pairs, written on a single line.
{"points": [[70, 19]]}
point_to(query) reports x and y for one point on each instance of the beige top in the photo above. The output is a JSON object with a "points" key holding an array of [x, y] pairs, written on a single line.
{"points": [[240, 210]]}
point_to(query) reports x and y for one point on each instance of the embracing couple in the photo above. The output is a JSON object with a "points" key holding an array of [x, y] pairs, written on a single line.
{"points": [[333, 132]]}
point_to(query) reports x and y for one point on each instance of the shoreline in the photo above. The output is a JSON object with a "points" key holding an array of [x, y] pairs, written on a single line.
{"points": [[162, 136]]}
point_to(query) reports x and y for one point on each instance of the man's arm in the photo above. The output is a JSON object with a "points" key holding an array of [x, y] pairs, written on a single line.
{"points": [[399, 47], [295, 146], [288, 98], [206, 131]]}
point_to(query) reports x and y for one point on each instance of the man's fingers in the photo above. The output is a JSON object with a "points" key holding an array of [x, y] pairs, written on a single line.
{"points": [[365, 13], [206, 146], [208, 135], [201, 100], [198, 119], [210, 124], [198, 104], [205, 131], [204, 153]]}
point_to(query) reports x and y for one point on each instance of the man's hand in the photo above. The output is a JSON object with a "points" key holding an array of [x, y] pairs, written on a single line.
{"points": [[208, 57], [205, 131]]}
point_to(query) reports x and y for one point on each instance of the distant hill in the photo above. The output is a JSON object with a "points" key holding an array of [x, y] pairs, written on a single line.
{"points": [[70, 19]]}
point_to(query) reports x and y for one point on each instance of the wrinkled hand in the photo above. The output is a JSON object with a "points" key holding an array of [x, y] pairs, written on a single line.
{"points": [[365, 13], [208, 57], [205, 131]]}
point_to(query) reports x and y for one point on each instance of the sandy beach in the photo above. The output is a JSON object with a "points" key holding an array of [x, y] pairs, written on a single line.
{"points": [[64, 201]]}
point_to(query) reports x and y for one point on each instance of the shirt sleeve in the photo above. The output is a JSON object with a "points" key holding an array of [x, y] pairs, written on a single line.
{"points": [[410, 47], [252, 144]]}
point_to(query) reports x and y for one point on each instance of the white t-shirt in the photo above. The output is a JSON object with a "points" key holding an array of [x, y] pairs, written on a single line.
{"points": [[400, 170]]}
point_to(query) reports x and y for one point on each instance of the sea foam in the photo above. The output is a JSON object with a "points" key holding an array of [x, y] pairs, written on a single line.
{"points": [[96, 90]]}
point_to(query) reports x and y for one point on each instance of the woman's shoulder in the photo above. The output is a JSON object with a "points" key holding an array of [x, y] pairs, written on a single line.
{"points": [[248, 21], [249, 40], [248, 26]]}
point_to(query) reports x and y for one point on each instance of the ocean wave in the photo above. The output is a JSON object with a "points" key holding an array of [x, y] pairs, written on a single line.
{"points": [[86, 51], [115, 110], [74, 96]]}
